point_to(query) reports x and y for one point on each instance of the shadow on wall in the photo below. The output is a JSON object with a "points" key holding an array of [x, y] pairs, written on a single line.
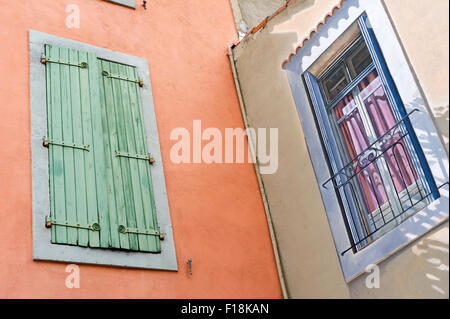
{"points": [[435, 254], [297, 208], [418, 270], [295, 202], [254, 11], [424, 135], [428, 278], [441, 114]]}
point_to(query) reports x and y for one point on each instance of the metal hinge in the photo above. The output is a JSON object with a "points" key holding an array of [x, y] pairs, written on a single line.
{"points": [[118, 77], [153, 232], [45, 60], [46, 142], [49, 222], [136, 156]]}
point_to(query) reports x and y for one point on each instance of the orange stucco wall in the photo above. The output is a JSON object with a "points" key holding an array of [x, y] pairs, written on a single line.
{"points": [[217, 213]]}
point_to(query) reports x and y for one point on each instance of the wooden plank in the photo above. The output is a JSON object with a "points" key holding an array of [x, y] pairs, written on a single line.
{"points": [[144, 167], [116, 203], [133, 164], [98, 150], [50, 133], [124, 163], [78, 138], [91, 192], [68, 153], [114, 176], [57, 158]]}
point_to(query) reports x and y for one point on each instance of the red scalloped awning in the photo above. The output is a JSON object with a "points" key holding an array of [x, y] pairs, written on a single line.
{"points": [[316, 29], [302, 43]]}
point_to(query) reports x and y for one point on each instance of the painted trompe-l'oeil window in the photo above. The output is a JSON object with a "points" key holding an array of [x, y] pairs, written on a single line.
{"points": [[379, 168]]}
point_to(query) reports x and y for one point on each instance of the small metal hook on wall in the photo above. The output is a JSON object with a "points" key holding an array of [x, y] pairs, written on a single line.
{"points": [[189, 262], [144, 3]]}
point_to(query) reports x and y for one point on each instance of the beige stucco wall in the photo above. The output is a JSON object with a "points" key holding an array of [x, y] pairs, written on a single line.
{"points": [[419, 33], [309, 259]]}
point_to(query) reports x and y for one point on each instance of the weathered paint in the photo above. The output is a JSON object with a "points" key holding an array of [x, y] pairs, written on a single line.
{"points": [[254, 11], [66, 87], [191, 79], [131, 178], [310, 262]]}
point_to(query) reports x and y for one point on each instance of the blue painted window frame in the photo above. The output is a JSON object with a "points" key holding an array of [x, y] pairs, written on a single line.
{"points": [[395, 100], [333, 154]]}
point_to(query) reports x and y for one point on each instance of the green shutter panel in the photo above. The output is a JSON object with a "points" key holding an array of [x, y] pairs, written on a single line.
{"points": [[76, 155], [132, 213], [101, 191]]}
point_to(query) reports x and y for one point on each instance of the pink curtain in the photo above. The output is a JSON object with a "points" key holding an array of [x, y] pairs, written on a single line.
{"points": [[397, 157], [356, 141]]}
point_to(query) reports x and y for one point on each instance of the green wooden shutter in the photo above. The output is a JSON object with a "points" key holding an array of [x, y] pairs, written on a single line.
{"points": [[130, 193], [98, 197], [76, 156]]}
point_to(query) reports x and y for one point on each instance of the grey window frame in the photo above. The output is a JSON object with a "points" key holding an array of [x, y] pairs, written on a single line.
{"points": [[126, 3], [43, 249]]}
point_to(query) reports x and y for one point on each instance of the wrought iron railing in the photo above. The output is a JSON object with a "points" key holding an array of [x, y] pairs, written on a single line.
{"points": [[380, 197]]}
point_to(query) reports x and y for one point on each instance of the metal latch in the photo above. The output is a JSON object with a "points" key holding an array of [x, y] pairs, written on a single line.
{"points": [[49, 222], [45, 60], [148, 158], [46, 142], [127, 230], [118, 77]]}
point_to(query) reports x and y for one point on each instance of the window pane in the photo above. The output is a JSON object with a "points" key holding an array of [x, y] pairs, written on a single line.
{"points": [[358, 60], [355, 139], [380, 113], [335, 82]]}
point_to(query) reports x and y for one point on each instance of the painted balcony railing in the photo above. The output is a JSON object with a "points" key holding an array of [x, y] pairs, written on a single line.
{"points": [[380, 187]]}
